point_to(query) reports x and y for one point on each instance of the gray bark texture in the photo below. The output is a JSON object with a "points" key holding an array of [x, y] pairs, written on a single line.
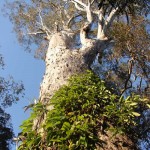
{"points": [[62, 61]]}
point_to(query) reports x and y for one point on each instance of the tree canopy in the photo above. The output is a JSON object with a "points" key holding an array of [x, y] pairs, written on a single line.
{"points": [[35, 21]]}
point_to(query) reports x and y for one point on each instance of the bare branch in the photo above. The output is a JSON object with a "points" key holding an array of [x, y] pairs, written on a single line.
{"points": [[41, 19], [101, 23], [27, 107], [101, 16], [66, 14], [36, 33], [43, 27], [78, 7], [83, 33], [130, 68], [104, 23], [86, 8], [92, 2], [89, 12], [79, 2], [72, 18], [111, 17]]}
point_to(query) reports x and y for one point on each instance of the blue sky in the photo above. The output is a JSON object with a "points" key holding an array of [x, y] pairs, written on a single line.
{"points": [[22, 66]]}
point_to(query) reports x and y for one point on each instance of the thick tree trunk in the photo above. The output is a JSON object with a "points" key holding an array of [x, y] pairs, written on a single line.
{"points": [[62, 61]]}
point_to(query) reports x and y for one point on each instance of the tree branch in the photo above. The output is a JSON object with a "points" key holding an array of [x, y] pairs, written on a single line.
{"points": [[41, 19], [72, 18], [104, 24], [78, 7], [89, 12], [79, 2], [101, 22], [36, 33], [92, 2], [86, 8], [43, 27], [111, 17], [130, 68]]}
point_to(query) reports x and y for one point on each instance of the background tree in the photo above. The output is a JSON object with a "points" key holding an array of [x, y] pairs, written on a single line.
{"points": [[9, 93], [72, 34]]}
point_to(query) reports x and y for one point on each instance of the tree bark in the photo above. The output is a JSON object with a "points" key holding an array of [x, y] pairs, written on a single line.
{"points": [[62, 61]]}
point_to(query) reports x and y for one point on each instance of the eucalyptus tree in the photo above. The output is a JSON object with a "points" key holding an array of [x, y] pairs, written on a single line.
{"points": [[108, 36]]}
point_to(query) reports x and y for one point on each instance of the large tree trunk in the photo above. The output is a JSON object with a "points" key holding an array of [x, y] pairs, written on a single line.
{"points": [[63, 61]]}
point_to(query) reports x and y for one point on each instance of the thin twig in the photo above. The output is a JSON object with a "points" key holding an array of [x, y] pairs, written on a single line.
{"points": [[72, 18], [35, 33]]}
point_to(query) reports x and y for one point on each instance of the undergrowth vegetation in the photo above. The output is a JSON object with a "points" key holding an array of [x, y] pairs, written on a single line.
{"points": [[81, 110]]}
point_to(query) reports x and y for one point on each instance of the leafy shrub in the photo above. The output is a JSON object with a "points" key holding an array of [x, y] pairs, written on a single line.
{"points": [[81, 110], [30, 138]]}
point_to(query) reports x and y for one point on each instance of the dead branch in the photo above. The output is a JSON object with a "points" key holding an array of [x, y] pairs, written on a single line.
{"points": [[130, 68], [92, 2], [72, 18], [35, 33]]}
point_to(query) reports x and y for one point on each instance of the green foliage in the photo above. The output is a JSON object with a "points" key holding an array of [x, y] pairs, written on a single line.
{"points": [[31, 139], [6, 132], [81, 110], [129, 6]]}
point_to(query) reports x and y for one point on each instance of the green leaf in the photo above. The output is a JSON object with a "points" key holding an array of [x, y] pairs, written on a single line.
{"points": [[136, 114], [148, 105], [134, 104], [66, 126], [144, 99], [121, 99]]}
